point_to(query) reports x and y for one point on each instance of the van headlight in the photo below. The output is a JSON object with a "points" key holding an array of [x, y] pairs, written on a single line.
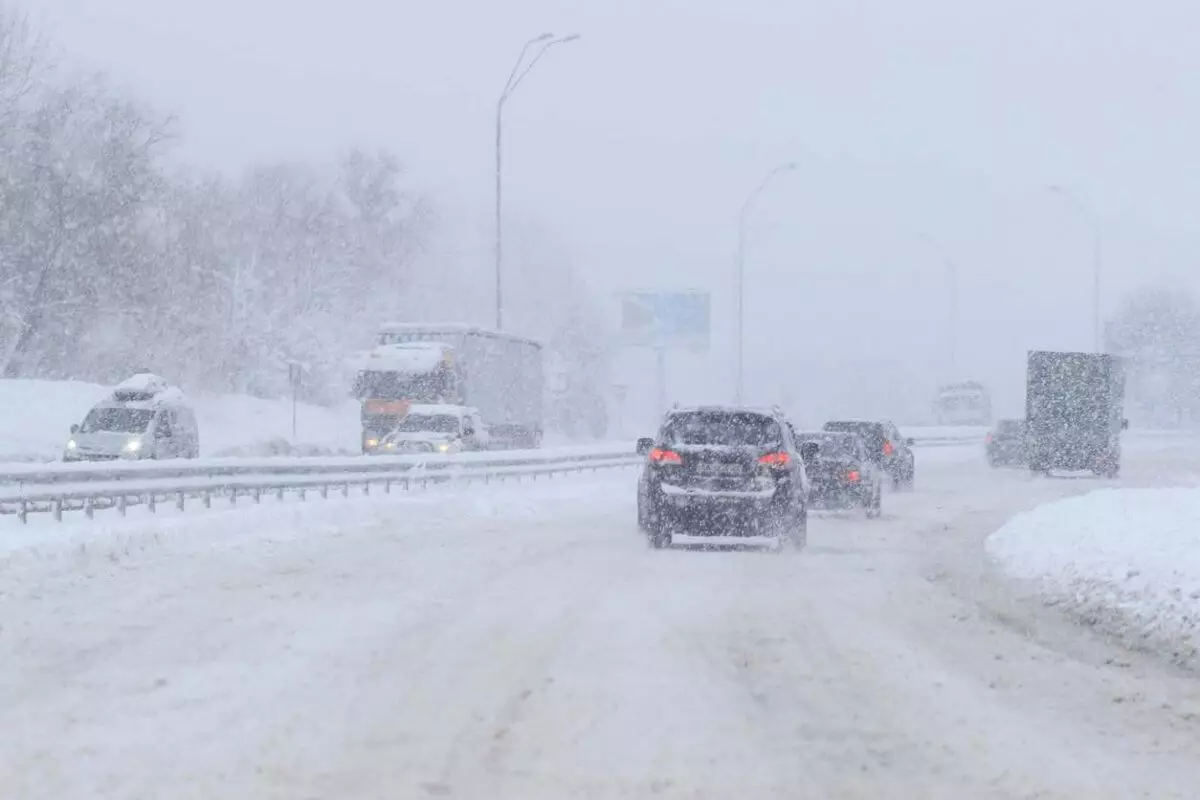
{"points": [[72, 444], [132, 446]]}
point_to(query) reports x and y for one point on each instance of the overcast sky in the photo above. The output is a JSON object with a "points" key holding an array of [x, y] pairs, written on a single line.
{"points": [[636, 145]]}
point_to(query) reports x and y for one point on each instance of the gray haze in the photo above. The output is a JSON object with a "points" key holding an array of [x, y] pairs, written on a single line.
{"points": [[632, 150]]}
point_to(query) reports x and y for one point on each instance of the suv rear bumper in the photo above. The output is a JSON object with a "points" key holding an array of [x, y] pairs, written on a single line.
{"points": [[698, 513]]}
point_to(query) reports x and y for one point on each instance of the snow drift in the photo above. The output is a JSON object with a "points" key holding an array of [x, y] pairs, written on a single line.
{"points": [[1126, 560]]}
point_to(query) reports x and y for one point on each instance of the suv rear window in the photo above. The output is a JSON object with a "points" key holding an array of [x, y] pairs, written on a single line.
{"points": [[872, 433], [833, 445], [722, 429]]}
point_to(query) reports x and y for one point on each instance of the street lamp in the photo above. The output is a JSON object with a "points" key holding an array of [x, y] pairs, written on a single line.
{"points": [[1093, 221], [741, 267], [515, 77], [952, 274]]}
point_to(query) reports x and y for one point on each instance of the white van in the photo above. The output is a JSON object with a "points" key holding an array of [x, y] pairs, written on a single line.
{"points": [[435, 429], [145, 417]]}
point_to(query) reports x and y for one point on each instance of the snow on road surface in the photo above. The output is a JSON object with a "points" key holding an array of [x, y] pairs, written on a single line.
{"points": [[1128, 559], [523, 642]]}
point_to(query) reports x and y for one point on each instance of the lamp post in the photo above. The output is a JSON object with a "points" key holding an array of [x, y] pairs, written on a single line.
{"points": [[1093, 222], [741, 268], [519, 71]]}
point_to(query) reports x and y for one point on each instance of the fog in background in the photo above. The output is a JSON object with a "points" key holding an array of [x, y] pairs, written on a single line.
{"points": [[923, 131]]}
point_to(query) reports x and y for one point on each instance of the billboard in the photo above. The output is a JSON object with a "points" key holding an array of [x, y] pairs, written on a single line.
{"points": [[665, 319]]}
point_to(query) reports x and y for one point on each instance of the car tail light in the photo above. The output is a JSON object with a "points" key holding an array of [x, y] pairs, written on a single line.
{"points": [[780, 459], [661, 456], [989, 439], [853, 476], [888, 449]]}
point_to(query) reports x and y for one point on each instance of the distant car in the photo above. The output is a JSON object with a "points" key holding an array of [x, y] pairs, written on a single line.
{"points": [[843, 475], [1006, 443], [886, 447], [724, 471], [144, 418]]}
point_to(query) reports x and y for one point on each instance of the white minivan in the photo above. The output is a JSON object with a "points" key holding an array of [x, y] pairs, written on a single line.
{"points": [[436, 429], [145, 417]]}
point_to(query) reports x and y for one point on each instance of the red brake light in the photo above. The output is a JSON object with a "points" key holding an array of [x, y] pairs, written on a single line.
{"points": [[661, 456], [853, 476], [780, 459], [989, 439], [888, 449]]}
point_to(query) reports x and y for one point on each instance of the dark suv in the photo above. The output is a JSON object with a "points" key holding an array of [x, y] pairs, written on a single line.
{"points": [[885, 446], [1006, 443], [716, 471]]}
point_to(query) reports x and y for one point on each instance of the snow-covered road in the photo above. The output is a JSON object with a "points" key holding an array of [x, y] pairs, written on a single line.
{"points": [[522, 642]]}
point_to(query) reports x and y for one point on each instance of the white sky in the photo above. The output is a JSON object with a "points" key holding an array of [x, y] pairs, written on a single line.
{"points": [[637, 145]]}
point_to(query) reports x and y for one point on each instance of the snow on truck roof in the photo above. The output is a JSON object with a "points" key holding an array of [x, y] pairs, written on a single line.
{"points": [[456, 328], [432, 410], [414, 357]]}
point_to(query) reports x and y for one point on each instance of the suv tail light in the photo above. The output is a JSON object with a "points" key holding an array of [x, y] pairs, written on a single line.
{"points": [[853, 476], [661, 456], [888, 448], [780, 459]]}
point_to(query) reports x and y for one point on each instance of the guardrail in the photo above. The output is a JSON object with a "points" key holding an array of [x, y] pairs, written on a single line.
{"points": [[57, 488], [90, 487]]}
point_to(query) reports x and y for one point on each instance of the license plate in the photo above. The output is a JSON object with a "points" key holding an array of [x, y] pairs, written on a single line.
{"points": [[719, 469]]}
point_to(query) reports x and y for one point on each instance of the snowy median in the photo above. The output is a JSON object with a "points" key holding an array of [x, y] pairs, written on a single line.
{"points": [[1124, 560]]}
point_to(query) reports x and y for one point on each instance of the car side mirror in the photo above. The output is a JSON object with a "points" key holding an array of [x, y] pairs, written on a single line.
{"points": [[910, 442], [75, 429], [809, 451], [644, 446], [1124, 424]]}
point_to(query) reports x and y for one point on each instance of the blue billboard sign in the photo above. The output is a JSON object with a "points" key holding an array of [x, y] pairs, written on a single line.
{"points": [[666, 319]]}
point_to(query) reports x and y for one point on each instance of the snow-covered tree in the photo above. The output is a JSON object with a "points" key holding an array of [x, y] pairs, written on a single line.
{"points": [[1158, 333]]}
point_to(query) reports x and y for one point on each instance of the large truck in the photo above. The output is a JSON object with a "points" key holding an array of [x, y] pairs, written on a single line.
{"points": [[499, 374], [1074, 412]]}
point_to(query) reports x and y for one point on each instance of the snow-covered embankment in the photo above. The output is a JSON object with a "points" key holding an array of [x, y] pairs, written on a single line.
{"points": [[1124, 560], [36, 416]]}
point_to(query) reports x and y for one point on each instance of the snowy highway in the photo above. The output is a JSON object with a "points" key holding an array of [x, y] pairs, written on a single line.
{"points": [[523, 642]]}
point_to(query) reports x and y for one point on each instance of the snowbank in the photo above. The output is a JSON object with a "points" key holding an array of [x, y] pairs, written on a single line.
{"points": [[35, 417], [1126, 560]]}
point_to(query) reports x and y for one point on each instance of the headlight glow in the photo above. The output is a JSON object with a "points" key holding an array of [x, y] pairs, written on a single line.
{"points": [[71, 444], [133, 445], [372, 443], [444, 447]]}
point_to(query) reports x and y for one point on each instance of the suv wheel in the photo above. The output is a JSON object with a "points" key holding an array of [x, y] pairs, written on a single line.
{"points": [[874, 506], [651, 524], [797, 532]]}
